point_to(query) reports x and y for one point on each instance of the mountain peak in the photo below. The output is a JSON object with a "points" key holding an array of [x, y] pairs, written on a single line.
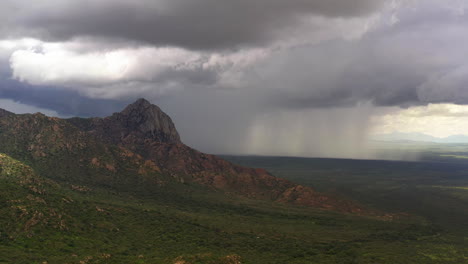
{"points": [[140, 105], [141, 121], [145, 121], [141, 102], [138, 123]]}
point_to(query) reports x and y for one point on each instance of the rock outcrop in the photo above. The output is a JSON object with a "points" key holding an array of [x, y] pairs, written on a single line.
{"points": [[137, 124]]}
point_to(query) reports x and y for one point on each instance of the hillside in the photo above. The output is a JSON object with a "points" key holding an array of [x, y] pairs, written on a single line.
{"points": [[43, 221], [140, 148]]}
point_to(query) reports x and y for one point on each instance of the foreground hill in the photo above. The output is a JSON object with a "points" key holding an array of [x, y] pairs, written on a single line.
{"points": [[140, 148], [43, 221]]}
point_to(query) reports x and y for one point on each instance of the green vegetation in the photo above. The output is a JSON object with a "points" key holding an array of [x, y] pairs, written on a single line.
{"points": [[41, 220], [433, 190]]}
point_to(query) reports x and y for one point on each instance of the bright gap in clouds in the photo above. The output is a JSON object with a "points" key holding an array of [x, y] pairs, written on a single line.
{"points": [[438, 120]]}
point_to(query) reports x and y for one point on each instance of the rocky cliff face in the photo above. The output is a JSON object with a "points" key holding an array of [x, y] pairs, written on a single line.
{"points": [[59, 150], [142, 140], [137, 124]]}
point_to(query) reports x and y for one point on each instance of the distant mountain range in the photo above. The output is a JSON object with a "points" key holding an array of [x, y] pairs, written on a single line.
{"points": [[421, 137]]}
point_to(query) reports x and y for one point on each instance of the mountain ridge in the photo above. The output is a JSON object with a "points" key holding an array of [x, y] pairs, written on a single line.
{"points": [[141, 146]]}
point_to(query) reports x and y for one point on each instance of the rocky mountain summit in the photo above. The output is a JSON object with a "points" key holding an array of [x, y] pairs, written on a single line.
{"points": [[140, 146], [138, 123]]}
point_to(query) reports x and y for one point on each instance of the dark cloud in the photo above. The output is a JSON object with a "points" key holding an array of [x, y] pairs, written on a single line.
{"points": [[414, 62], [192, 24], [411, 62], [65, 103]]}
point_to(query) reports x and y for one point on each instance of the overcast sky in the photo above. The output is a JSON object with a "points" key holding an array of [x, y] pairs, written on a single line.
{"points": [[295, 77]]}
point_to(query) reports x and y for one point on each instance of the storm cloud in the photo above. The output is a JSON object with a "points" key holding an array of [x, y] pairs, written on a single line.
{"points": [[191, 24]]}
